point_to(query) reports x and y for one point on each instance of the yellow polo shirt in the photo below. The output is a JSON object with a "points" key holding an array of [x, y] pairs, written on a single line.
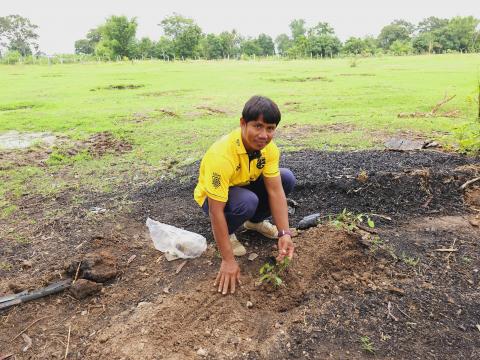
{"points": [[226, 164]]}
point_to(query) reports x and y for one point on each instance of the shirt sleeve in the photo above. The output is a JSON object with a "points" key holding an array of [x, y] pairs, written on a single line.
{"points": [[272, 160], [218, 172]]}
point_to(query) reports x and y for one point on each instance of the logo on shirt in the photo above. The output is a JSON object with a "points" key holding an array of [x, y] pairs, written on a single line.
{"points": [[216, 180], [261, 163]]}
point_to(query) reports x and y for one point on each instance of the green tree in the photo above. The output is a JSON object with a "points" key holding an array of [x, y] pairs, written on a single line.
{"points": [[88, 45], [250, 47], [117, 37], [298, 29], [265, 43], [321, 40], [401, 47], [164, 49], [18, 34], [145, 48], [211, 47], [83, 46], [184, 33], [398, 30], [354, 46], [283, 43], [462, 34], [230, 42]]}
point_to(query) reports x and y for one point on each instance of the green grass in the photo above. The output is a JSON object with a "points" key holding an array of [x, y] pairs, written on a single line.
{"points": [[78, 100]]}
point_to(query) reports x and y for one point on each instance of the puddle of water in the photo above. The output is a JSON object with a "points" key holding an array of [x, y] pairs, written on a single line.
{"points": [[16, 140]]}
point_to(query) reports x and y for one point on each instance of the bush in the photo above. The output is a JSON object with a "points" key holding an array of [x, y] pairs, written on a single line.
{"points": [[11, 57]]}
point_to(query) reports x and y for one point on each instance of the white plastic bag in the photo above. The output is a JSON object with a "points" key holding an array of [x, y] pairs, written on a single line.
{"points": [[177, 242]]}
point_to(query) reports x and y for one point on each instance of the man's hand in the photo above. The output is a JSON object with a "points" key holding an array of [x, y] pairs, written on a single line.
{"points": [[228, 276], [285, 247]]}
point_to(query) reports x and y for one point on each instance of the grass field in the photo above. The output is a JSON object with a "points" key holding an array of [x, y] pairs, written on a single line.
{"points": [[174, 111]]}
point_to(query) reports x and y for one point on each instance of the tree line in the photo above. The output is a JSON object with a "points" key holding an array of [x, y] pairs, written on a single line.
{"points": [[184, 39]]}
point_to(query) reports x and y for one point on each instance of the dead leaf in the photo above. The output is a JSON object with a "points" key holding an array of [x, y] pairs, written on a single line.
{"points": [[180, 267], [28, 342]]}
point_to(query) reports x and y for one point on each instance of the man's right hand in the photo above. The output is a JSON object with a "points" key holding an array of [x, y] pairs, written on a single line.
{"points": [[228, 276]]}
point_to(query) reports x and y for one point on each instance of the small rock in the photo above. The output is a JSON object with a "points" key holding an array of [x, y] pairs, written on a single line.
{"points": [[249, 304], [27, 264], [474, 222], [143, 303], [142, 268], [166, 290], [252, 256], [83, 288], [202, 352], [84, 312]]}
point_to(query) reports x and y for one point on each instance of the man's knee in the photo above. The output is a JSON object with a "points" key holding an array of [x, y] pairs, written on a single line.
{"points": [[288, 180], [247, 205]]}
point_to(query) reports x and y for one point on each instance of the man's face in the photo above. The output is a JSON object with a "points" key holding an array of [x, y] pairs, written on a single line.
{"points": [[256, 134]]}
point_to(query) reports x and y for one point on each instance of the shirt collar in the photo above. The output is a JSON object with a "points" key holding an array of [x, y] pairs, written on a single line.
{"points": [[238, 141]]}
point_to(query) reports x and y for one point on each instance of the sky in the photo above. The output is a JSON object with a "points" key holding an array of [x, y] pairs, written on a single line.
{"points": [[62, 22]]}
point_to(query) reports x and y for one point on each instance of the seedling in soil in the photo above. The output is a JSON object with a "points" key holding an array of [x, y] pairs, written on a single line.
{"points": [[377, 244], [410, 261], [271, 272], [349, 221], [367, 344]]}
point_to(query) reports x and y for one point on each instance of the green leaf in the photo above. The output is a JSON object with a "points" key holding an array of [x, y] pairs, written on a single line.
{"points": [[278, 281], [371, 223]]}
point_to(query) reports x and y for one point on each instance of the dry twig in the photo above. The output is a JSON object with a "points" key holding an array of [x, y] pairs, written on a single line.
{"points": [[389, 312], [29, 326], [180, 267], [469, 182], [68, 340]]}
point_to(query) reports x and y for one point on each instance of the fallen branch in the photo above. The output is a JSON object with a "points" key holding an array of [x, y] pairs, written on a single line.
{"points": [[433, 112], [29, 326], [441, 103], [469, 182]]}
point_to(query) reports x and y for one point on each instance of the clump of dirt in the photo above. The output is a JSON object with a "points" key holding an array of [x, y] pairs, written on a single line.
{"points": [[472, 197], [211, 110], [119, 87], [98, 266], [166, 112], [166, 93]]}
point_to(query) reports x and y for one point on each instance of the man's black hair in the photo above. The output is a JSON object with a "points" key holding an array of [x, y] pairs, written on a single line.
{"points": [[261, 106]]}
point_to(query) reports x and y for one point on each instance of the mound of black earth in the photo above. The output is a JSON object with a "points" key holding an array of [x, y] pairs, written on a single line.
{"points": [[396, 184]]}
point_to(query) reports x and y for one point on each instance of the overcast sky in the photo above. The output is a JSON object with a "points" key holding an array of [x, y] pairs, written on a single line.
{"points": [[61, 22]]}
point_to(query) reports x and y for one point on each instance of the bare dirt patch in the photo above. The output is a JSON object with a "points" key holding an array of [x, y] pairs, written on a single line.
{"points": [[360, 74], [166, 93], [337, 291], [211, 110], [13, 107], [300, 79], [302, 131], [119, 87]]}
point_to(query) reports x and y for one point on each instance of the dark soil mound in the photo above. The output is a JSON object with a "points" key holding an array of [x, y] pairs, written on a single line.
{"points": [[397, 184]]}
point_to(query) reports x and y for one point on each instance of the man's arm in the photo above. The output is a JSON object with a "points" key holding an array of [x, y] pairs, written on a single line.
{"points": [[278, 205], [229, 272]]}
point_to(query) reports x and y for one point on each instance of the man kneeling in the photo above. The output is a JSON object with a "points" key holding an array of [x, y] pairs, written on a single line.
{"points": [[240, 182]]}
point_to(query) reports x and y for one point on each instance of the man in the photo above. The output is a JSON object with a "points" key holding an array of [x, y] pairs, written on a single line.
{"points": [[240, 183]]}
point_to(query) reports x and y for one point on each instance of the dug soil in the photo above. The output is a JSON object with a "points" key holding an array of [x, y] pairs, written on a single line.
{"points": [[406, 289]]}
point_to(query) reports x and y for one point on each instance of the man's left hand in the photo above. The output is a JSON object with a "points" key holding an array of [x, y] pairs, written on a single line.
{"points": [[285, 247]]}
